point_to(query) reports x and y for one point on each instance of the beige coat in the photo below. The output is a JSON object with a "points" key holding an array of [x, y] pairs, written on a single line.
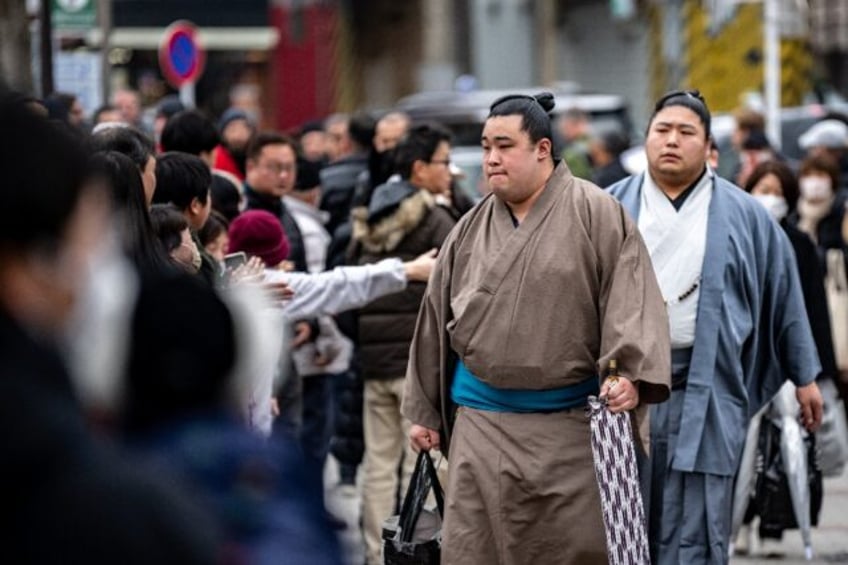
{"points": [[542, 306]]}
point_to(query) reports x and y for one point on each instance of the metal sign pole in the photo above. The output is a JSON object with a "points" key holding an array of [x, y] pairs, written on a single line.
{"points": [[187, 94]]}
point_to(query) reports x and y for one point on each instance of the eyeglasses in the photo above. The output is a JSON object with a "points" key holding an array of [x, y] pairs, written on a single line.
{"points": [[445, 162], [694, 94]]}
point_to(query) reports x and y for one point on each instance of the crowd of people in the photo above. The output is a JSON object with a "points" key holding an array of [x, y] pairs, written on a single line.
{"points": [[195, 314]]}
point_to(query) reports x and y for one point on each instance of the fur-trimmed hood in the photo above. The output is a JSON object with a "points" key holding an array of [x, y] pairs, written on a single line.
{"points": [[396, 209]]}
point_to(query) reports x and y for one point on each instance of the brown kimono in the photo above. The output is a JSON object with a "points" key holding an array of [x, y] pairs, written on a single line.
{"points": [[537, 307]]}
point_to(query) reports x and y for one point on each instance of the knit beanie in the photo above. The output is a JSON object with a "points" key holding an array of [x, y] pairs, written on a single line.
{"points": [[230, 115], [259, 233]]}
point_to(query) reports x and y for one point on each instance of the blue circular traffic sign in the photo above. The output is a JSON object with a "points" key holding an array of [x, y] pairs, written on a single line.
{"points": [[181, 57]]}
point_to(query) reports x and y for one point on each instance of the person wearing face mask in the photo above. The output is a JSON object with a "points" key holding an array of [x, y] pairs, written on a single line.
{"points": [[821, 214], [185, 181], [67, 497], [821, 206], [172, 230], [774, 186]]}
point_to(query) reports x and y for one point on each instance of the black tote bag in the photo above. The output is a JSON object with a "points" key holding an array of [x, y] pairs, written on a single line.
{"points": [[414, 537]]}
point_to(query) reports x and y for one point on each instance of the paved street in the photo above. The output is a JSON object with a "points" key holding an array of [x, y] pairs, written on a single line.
{"points": [[830, 539]]}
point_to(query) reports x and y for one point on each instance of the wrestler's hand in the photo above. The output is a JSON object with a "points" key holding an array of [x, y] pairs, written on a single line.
{"points": [[810, 399], [423, 438], [621, 394]]}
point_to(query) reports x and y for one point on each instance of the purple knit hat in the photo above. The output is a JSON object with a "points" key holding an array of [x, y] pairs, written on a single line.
{"points": [[257, 232]]}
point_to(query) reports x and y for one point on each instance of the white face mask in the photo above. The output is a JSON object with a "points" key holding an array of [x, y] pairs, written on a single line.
{"points": [[776, 205], [815, 188], [99, 331]]}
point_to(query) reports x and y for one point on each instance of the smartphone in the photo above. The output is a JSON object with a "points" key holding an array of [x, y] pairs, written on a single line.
{"points": [[234, 260]]}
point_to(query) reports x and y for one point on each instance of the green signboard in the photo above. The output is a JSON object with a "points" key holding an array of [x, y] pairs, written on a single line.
{"points": [[74, 14]]}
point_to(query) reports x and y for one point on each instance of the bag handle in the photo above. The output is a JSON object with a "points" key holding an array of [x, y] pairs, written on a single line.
{"points": [[438, 493], [423, 479]]}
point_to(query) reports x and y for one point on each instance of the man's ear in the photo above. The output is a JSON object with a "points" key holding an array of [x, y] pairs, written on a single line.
{"points": [[544, 148], [195, 206], [417, 169]]}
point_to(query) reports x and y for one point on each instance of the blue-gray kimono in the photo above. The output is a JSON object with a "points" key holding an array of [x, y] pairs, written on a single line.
{"points": [[751, 334]]}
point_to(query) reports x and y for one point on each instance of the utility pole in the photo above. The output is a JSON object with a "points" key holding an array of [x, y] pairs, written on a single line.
{"points": [[104, 13], [46, 47]]}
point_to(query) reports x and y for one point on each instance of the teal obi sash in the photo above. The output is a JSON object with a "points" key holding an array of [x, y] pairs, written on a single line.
{"points": [[468, 390]]}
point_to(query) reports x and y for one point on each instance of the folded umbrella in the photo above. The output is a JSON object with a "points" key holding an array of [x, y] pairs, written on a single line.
{"points": [[785, 410], [746, 478], [618, 483]]}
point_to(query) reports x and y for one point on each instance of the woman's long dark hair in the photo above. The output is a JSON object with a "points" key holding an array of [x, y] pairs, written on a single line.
{"points": [[139, 242]]}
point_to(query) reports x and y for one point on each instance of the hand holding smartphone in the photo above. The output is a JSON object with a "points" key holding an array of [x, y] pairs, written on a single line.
{"points": [[235, 260]]}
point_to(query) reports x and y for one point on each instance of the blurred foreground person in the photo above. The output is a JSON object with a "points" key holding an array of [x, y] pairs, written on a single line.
{"points": [[535, 290], [738, 329], [66, 499], [99, 330], [183, 412]]}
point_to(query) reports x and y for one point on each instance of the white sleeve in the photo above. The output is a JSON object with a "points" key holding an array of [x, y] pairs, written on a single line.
{"points": [[343, 288]]}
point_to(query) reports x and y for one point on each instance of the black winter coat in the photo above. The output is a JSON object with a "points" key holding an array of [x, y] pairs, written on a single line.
{"points": [[401, 221], [297, 252], [812, 285]]}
